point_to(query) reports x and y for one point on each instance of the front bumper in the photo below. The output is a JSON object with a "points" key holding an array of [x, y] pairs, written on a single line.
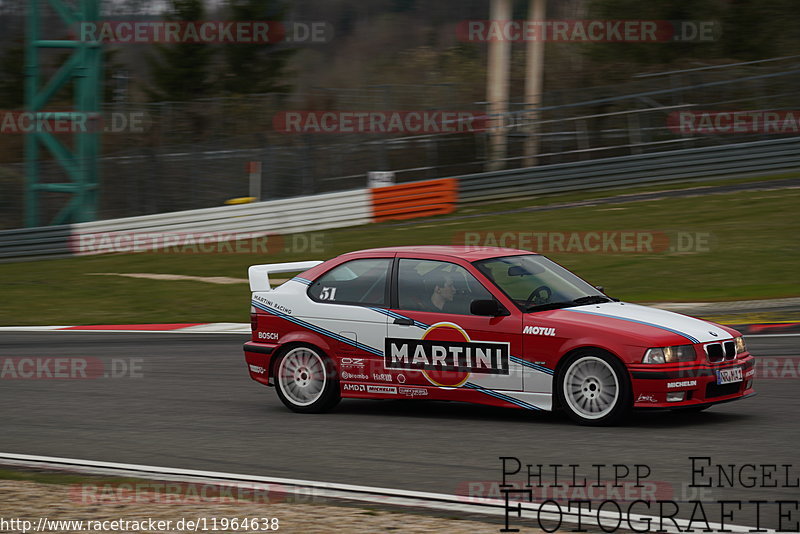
{"points": [[697, 381]]}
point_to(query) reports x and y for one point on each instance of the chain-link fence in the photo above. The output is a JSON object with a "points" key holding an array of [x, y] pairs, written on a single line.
{"points": [[196, 154]]}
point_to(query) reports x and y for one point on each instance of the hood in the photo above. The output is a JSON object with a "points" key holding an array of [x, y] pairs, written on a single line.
{"points": [[625, 316]]}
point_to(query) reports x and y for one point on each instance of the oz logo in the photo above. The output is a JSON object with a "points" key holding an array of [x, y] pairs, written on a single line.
{"points": [[446, 355]]}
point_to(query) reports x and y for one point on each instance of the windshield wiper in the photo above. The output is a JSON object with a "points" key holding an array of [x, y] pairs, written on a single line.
{"points": [[580, 301], [548, 306], [592, 299]]}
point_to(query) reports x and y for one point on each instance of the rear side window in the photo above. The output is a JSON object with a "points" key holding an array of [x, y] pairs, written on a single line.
{"points": [[355, 282]]}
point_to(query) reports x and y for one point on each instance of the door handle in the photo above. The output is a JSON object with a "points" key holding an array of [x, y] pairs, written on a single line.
{"points": [[405, 321]]}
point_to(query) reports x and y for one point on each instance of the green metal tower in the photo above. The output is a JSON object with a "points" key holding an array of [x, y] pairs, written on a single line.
{"points": [[83, 68]]}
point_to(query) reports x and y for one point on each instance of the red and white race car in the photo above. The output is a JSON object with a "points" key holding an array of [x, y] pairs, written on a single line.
{"points": [[485, 325]]}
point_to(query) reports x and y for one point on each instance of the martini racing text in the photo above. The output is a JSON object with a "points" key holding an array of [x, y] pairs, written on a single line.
{"points": [[459, 356]]}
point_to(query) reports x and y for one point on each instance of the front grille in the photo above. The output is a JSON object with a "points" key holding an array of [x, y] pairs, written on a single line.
{"points": [[714, 352], [730, 350], [720, 390], [718, 352]]}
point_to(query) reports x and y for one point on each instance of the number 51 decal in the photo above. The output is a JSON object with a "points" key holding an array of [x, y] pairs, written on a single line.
{"points": [[328, 293]]}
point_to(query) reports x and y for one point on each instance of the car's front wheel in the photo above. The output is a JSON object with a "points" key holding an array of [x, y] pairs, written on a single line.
{"points": [[305, 380], [594, 389]]}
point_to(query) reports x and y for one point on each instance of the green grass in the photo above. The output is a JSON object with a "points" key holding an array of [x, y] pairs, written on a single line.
{"points": [[577, 196], [753, 253]]}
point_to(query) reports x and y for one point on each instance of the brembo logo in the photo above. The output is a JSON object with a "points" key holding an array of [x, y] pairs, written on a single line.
{"points": [[354, 376], [458, 356]]}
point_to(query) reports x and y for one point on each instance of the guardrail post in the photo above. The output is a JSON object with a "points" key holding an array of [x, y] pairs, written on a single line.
{"points": [[254, 173], [634, 133]]}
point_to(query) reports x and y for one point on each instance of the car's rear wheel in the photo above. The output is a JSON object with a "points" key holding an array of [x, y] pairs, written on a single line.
{"points": [[306, 381], [594, 389]]}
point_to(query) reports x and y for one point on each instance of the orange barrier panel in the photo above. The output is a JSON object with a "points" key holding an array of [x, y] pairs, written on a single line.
{"points": [[415, 199]]}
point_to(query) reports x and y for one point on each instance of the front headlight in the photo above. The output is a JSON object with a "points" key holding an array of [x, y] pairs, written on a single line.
{"points": [[678, 353], [740, 346]]}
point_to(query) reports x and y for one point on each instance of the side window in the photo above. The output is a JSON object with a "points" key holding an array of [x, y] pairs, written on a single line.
{"points": [[354, 282], [516, 286], [437, 286]]}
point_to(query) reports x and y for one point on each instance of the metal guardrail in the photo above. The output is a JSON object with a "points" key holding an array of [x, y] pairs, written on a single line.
{"points": [[414, 199], [299, 214], [285, 216], [35, 243], [728, 160], [357, 207]]}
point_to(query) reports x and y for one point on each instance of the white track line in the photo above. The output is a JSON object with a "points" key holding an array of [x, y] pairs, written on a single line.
{"points": [[210, 328], [213, 328], [31, 328], [375, 495]]}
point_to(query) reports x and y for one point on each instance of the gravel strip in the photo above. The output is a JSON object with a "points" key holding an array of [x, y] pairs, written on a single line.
{"points": [[31, 501]]}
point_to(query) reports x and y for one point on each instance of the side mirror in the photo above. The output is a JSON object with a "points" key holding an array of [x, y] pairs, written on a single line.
{"points": [[488, 308], [601, 289]]}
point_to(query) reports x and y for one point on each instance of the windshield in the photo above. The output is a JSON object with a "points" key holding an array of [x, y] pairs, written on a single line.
{"points": [[534, 282]]}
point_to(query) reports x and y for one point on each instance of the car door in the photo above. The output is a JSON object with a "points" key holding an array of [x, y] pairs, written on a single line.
{"points": [[433, 336]]}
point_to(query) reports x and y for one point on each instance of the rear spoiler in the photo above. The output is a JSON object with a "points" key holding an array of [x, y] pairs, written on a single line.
{"points": [[259, 274]]}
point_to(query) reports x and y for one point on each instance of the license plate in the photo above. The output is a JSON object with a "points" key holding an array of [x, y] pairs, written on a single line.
{"points": [[729, 376]]}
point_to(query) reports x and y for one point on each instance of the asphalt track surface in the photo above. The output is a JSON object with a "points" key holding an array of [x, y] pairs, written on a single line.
{"points": [[191, 404]]}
